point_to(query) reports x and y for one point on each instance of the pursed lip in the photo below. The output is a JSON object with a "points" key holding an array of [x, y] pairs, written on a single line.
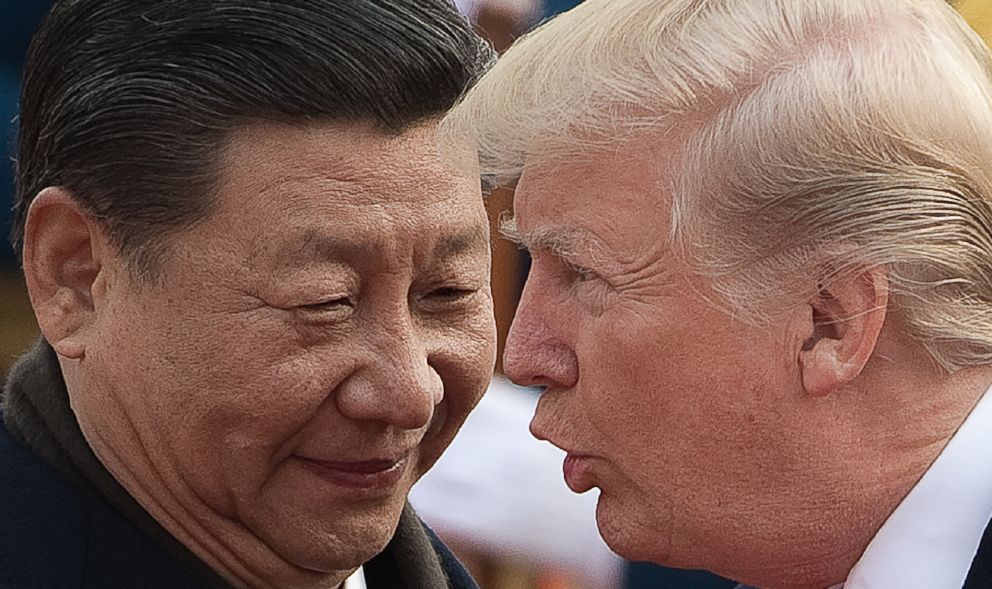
{"points": [[576, 467], [578, 475], [375, 473]]}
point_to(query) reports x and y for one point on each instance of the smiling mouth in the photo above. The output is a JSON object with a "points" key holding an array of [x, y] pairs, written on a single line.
{"points": [[380, 474]]}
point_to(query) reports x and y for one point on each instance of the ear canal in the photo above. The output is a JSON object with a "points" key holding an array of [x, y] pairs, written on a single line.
{"points": [[824, 326]]}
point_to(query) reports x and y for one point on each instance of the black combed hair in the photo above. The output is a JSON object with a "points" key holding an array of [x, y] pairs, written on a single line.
{"points": [[127, 102]]}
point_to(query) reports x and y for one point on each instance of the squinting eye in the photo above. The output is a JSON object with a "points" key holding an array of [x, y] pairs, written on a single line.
{"points": [[450, 294], [581, 274], [334, 304]]}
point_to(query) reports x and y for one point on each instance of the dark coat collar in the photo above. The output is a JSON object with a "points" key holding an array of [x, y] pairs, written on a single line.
{"points": [[36, 412]]}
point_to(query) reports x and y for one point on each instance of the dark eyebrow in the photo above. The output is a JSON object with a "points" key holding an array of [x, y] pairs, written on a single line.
{"points": [[464, 240], [316, 244]]}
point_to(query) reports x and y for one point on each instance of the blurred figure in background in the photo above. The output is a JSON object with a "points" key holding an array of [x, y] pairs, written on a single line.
{"points": [[18, 20], [501, 21]]}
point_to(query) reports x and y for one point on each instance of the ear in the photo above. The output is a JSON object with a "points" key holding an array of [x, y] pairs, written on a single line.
{"points": [[843, 326], [62, 252]]}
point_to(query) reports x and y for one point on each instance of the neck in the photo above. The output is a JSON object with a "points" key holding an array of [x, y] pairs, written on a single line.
{"points": [[862, 450], [906, 421]]}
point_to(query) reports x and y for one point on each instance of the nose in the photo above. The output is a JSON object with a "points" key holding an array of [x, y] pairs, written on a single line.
{"points": [[397, 387], [535, 355]]}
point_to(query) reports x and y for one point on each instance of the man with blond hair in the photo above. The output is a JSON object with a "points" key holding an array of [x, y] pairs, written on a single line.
{"points": [[761, 293]]}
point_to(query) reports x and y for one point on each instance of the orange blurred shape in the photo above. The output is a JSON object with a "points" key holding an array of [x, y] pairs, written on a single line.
{"points": [[978, 13], [553, 580]]}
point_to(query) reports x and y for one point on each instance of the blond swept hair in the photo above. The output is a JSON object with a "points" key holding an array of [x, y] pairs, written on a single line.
{"points": [[816, 138]]}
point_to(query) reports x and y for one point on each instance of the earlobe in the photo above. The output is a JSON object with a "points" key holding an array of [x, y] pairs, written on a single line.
{"points": [[61, 265], [843, 326]]}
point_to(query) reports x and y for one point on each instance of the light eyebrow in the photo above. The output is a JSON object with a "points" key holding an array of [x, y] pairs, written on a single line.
{"points": [[509, 230], [558, 242]]}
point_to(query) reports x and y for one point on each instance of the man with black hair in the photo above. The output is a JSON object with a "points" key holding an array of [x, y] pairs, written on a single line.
{"points": [[263, 290]]}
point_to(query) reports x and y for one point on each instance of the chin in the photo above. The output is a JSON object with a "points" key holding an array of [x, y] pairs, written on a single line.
{"points": [[331, 537], [626, 534], [342, 547]]}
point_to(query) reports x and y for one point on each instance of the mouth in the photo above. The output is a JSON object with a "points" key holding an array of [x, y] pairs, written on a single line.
{"points": [[576, 467], [375, 474], [577, 472]]}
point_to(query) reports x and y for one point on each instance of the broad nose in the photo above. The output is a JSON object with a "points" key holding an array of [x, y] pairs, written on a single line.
{"points": [[397, 386], [535, 353]]}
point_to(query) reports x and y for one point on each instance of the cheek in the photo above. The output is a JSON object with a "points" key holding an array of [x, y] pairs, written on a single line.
{"points": [[252, 377], [464, 360], [466, 353], [465, 378], [225, 405], [633, 377], [693, 416], [670, 392]]}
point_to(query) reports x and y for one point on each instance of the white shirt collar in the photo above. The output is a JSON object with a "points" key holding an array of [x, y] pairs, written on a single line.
{"points": [[356, 580], [930, 540]]}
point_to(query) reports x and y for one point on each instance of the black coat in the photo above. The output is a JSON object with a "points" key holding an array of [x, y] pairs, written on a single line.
{"points": [[980, 575], [53, 534]]}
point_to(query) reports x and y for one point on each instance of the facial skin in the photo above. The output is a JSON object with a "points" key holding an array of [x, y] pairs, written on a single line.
{"points": [[334, 308], [764, 454]]}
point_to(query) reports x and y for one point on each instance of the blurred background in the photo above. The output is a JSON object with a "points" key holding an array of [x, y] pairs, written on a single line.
{"points": [[497, 495]]}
